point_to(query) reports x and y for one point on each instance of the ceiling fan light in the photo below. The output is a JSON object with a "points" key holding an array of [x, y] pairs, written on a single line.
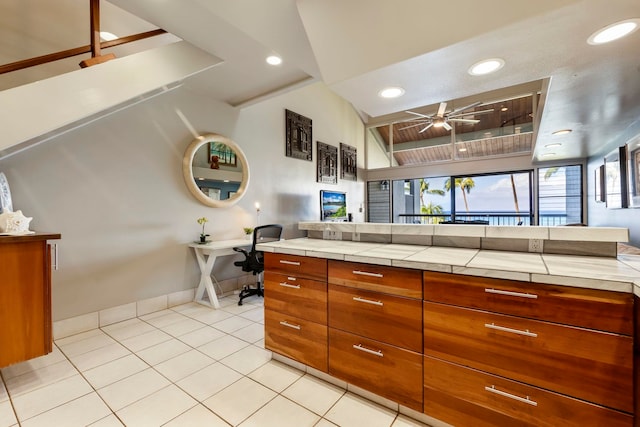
{"points": [[107, 36], [438, 124], [391, 92], [614, 31], [486, 66]]}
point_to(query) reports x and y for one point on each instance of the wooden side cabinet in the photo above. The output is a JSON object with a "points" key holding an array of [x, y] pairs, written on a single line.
{"points": [[25, 297]]}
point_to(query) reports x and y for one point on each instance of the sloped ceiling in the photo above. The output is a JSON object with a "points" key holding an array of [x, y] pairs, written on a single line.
{"points": [[357, 47]]}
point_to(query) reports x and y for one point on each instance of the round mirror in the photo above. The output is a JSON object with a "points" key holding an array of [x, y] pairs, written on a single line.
{"points": [[215, 170]]}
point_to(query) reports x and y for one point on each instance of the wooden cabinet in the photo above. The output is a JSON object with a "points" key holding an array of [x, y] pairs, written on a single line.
{"points": [[295, 308], [388, 318], [531, 339], [588, 308], [25, 297], [375, 329], [467, 397], [386, 370]]}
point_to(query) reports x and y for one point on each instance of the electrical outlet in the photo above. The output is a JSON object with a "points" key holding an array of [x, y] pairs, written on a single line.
{"points": [[535, 245], [331, 235]]}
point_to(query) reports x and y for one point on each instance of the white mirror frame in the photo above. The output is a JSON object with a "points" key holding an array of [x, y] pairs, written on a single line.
{"points": [[187, 170]]}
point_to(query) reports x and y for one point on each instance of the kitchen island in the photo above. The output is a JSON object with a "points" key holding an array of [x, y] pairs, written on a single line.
{"points": [[462, 335]]}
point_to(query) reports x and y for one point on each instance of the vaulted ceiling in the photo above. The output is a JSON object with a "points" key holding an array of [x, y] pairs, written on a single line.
{"points": [[358, 47]]}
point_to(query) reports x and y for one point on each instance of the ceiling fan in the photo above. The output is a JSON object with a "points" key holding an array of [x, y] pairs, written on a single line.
{"points": [[443, 117]]}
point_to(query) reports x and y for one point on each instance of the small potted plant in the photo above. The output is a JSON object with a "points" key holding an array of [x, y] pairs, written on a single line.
{"points": [[203, 236], [247, 232]]}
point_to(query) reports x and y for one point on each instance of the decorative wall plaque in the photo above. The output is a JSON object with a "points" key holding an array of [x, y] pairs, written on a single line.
{"points": [[348, 162], [327, 163], [299, 137]]}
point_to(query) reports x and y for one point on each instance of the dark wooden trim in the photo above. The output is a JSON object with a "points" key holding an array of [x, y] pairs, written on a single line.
{"points": [[94, 17], [39, 60]]}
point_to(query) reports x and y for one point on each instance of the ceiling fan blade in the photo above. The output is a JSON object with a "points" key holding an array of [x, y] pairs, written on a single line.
{"points": [[457, 110], [441, 109], [427, 127], [422, 123], [470, 113], [446, 125], [472, 121], [418, 114]]}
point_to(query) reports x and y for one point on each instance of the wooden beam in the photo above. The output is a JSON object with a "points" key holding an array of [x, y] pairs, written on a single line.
{"points": [[69, 53]]}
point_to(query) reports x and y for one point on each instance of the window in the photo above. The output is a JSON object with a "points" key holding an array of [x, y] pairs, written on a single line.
{"points": [[560, 195]]}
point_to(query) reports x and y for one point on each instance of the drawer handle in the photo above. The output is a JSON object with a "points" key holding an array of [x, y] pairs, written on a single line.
{"points": [[290, 325], [368, 350], [293, 279], [287, 285], [368, 301], [366, 273], [513, 331], [526, 400], [283, 261], [510, 293]]}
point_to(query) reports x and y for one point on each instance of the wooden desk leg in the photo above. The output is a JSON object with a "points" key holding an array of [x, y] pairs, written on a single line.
{"points": [[206, 285]]}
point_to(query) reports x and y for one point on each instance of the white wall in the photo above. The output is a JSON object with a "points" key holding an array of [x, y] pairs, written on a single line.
{"points": [[115, 191]]}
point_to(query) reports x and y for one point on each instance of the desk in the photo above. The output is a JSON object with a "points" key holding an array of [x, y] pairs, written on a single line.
{"points": [[206, 255]]}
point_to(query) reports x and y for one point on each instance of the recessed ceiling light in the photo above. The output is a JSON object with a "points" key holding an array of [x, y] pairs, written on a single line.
{"points": [[391, 92], [274, 60], [504, 108], [462, 150], [548, 154], [562, 132], [614, 31], [486, 66], [554, 145], [107, 36]]}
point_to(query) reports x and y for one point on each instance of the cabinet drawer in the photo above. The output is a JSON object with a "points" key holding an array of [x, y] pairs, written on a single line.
{"points": [[591, 365], [391, 280], [296, 338], [588, 308], [466, 397], [387, 318], [299, 266], [303, 298], [383, 369]]}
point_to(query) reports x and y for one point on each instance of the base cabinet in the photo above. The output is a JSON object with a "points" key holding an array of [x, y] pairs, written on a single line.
{"points": [[386, 370], [25, 298], [462, 396]]}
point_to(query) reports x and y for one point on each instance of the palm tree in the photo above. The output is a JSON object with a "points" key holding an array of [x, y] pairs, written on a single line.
{"points": [[424, 188], [515, 199], [432, 209], [465, 184]]}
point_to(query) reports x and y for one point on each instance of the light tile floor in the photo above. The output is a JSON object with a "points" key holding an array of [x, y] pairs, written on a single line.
{"points": [[185, 366]]}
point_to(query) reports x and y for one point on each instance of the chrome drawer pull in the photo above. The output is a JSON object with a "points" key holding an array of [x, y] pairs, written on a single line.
{"points": [[365, 273], [282, 261], [289, 325], [526, 400], [513, 331], [510, 293], [287, 285], [368, 301], [293, 279], [368, 350]]}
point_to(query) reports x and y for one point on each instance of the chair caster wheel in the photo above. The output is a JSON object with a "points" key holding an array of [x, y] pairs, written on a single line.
{"points": [[239, 302]]}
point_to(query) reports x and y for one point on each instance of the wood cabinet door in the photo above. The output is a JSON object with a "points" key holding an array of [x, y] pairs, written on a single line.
{"points": [[383, 369], [588, 308], [466, 397], [299, 266], [390, 280], [591, 365], [25, 301], [298, 297], [296, 338], [391, 319]]}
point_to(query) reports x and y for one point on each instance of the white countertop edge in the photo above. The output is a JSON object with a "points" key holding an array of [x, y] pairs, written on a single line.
{"points": [[418, 265], [326, 255], [368, 260], [636, 288]]}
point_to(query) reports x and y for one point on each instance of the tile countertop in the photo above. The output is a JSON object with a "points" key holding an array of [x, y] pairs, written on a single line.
{"points": [[621, 274]]}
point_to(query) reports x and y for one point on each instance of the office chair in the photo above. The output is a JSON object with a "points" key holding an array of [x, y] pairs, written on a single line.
{"points": [[254, 260]]}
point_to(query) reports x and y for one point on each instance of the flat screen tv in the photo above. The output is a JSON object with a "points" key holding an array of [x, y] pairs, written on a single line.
{"points": [[333, 206]]}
